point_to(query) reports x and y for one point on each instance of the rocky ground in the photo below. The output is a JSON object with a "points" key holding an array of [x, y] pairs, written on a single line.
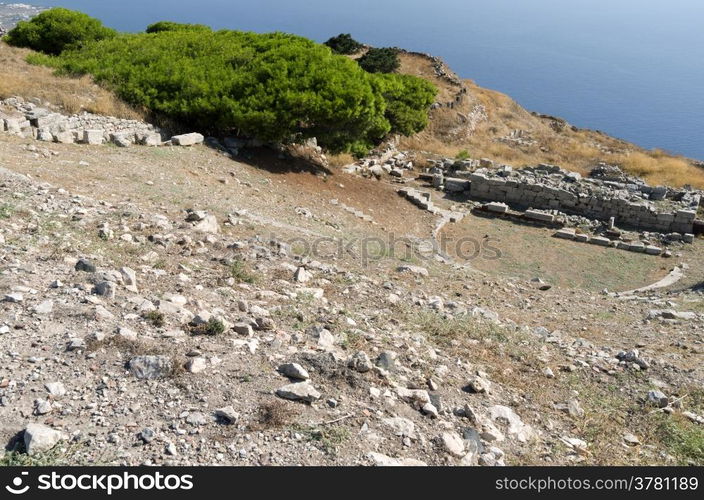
{"points": [[165, 306]]}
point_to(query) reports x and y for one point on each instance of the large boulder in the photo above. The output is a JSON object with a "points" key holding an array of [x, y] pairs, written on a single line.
{"points": [[187, 139], [515, 427], [39, 438], [299, 391]]}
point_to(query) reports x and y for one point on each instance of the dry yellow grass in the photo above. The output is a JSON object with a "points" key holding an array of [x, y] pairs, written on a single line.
{"points": [[555, 142], [660, 168], [340, 160], [72, 95]]}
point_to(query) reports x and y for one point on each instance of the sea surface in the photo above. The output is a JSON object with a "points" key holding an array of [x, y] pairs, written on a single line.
{"points": [[631, 68]]}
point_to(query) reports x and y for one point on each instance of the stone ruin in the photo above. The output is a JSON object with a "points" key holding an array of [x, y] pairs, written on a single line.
{"points": [[606, 208], [27, 119], [606, 195]]}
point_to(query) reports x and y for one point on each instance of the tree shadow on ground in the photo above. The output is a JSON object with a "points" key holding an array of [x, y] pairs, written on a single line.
{"points": [[273, 161]]}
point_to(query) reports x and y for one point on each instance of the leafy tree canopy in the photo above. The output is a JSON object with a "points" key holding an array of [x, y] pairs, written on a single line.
{"points": [[172, 26], [383, 60], [343, 44]]}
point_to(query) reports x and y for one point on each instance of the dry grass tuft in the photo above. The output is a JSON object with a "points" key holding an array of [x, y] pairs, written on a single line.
{"points": [[340, 160], [72, 95], [276, 414]]}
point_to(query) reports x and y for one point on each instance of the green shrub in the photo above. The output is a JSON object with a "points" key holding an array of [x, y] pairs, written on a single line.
{"points": [[156, 318], [344, 44], [408, 99], [212, 327], [58, 29], [275, 87], [239, 271], [384, 60], [462, 155], [172, 26]]}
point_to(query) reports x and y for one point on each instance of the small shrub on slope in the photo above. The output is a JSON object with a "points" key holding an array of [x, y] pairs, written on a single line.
{"points": [[58, 29], [383, 60], [343, 44]]}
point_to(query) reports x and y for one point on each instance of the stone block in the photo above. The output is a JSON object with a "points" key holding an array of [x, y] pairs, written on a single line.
{"points": [[600, 241], [150, 139], [12, 125], [565, 234], [653, 250], [45, 135], [636, 246], [187, 139], [455, 185], [94, 137], [539, 216], [65, 138], [496, 207]]}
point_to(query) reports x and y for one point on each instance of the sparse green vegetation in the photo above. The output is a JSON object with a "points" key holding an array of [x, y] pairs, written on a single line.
{"points": [[239, 271], [6, 211], [328, 439], [685, 440], [59, 455], [444, 328], [212, 327], [462, 155], [353, 341], [155, 317]]}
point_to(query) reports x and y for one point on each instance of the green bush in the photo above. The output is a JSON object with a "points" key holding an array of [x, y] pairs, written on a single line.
{"points": [[58, 29], [344, 44], [407, 101], [212, 327], [384, 60], [172, 26], [275, 87]]}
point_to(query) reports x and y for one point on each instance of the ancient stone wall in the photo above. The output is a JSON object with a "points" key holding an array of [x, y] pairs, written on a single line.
{"points": [[28, 120], [637, 206]]}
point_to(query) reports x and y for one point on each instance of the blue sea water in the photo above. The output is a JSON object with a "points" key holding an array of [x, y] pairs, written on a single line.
{"points": [[632, 68]]}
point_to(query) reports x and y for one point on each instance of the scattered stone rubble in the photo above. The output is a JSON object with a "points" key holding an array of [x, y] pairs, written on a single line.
{"points": [[107, 352]]}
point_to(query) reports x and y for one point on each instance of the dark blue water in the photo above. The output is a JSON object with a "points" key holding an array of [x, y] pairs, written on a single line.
{"points": [[632, 68]]}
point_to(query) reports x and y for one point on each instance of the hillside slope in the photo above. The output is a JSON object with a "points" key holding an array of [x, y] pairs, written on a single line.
{"points": [[486, 123], [172, 305]]}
